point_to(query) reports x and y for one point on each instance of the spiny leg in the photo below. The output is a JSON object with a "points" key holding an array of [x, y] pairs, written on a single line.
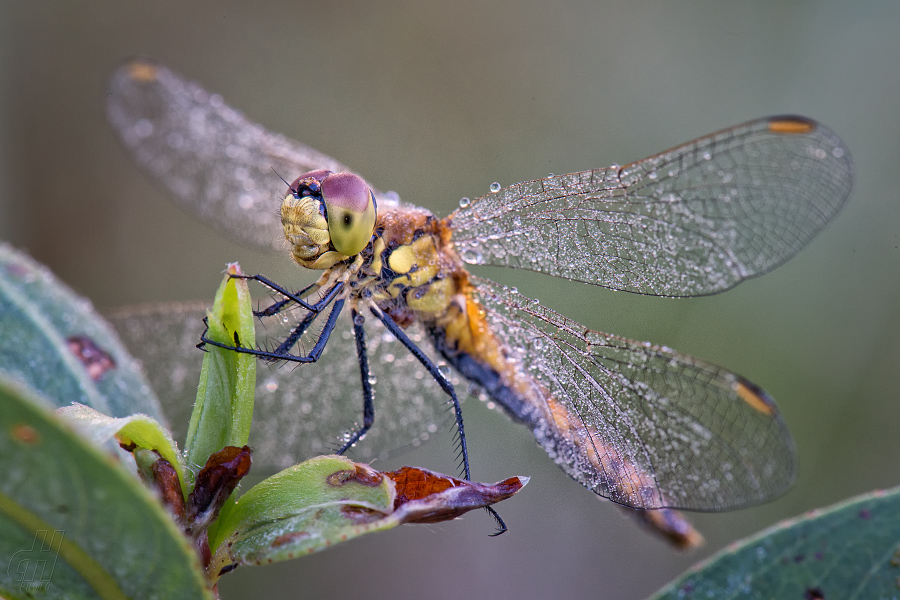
{"points": [[296, 333], [438, 377], [450, 391], [281, 353], [280, 305], [301, 327], [359, 333], [289, 297]]}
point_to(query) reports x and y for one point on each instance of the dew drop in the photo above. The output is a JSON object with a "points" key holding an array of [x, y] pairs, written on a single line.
{"points": [[464, 202], [392, 198], [473, 257], [359, 319], [143, 128], [445, 371], [837, 152], [495, 187]]}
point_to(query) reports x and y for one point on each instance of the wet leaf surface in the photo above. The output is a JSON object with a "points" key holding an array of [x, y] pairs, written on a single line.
{"points": [[55, 343], [849, 551], [73, 522]]}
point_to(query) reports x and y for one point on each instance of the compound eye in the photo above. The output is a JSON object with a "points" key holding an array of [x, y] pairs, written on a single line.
{"points": [[308, 184], [350, 208]]}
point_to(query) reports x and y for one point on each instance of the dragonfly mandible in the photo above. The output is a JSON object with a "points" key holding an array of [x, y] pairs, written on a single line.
{"points": [[637, 423]]}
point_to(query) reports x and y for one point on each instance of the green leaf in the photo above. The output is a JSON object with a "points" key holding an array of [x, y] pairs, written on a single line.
{"points": [[298, 511], [142, 431], [54, 342], [224, 406], [76, 524], [331, 499], [850, 550]]}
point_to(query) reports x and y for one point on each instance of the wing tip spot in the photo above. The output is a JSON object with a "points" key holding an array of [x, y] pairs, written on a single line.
{"points": [[755, 396], [792, 125], [142, 70]]}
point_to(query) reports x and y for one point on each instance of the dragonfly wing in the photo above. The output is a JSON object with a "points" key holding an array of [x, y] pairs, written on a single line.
{"points": [[217, 163], [694, 220], [300, 410], [642, 425]]}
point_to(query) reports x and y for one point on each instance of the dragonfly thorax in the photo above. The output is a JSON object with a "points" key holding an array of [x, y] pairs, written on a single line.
{"points": [[327, 217]]}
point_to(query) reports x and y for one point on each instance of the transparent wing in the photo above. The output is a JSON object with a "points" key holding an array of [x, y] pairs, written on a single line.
{"points": [[642, 425], [300, 411], [210, 157], [697, 219]]}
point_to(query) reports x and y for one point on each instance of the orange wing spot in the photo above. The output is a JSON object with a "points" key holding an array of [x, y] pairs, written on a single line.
{"points": [[791, 125], [143, 71], [754, 396]]}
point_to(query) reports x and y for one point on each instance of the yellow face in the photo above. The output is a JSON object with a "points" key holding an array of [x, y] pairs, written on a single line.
{"points": [[328, 217]]}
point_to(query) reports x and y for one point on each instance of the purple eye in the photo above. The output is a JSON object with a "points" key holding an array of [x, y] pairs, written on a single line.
{"points": [[347, 191], [350, 208]]}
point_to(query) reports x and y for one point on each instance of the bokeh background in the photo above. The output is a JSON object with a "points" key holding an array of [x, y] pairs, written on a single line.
{"points": [[436, 100]]}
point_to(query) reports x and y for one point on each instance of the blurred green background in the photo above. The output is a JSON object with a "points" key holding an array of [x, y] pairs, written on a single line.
{"points": [[436, 100]]}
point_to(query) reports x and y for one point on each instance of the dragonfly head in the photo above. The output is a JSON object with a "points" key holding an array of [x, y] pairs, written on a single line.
{"points": [[327, 217]]}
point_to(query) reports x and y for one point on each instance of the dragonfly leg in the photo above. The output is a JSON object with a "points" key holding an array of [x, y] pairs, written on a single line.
{"points": [[278, 306], [281, 353], [296, 333], [290, 297], [301, 327], [438, 377], [450, 391], [501, 526], [359, 333]]}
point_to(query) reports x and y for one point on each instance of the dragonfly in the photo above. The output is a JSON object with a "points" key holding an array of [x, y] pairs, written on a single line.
{"points": [[395, 303]]}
